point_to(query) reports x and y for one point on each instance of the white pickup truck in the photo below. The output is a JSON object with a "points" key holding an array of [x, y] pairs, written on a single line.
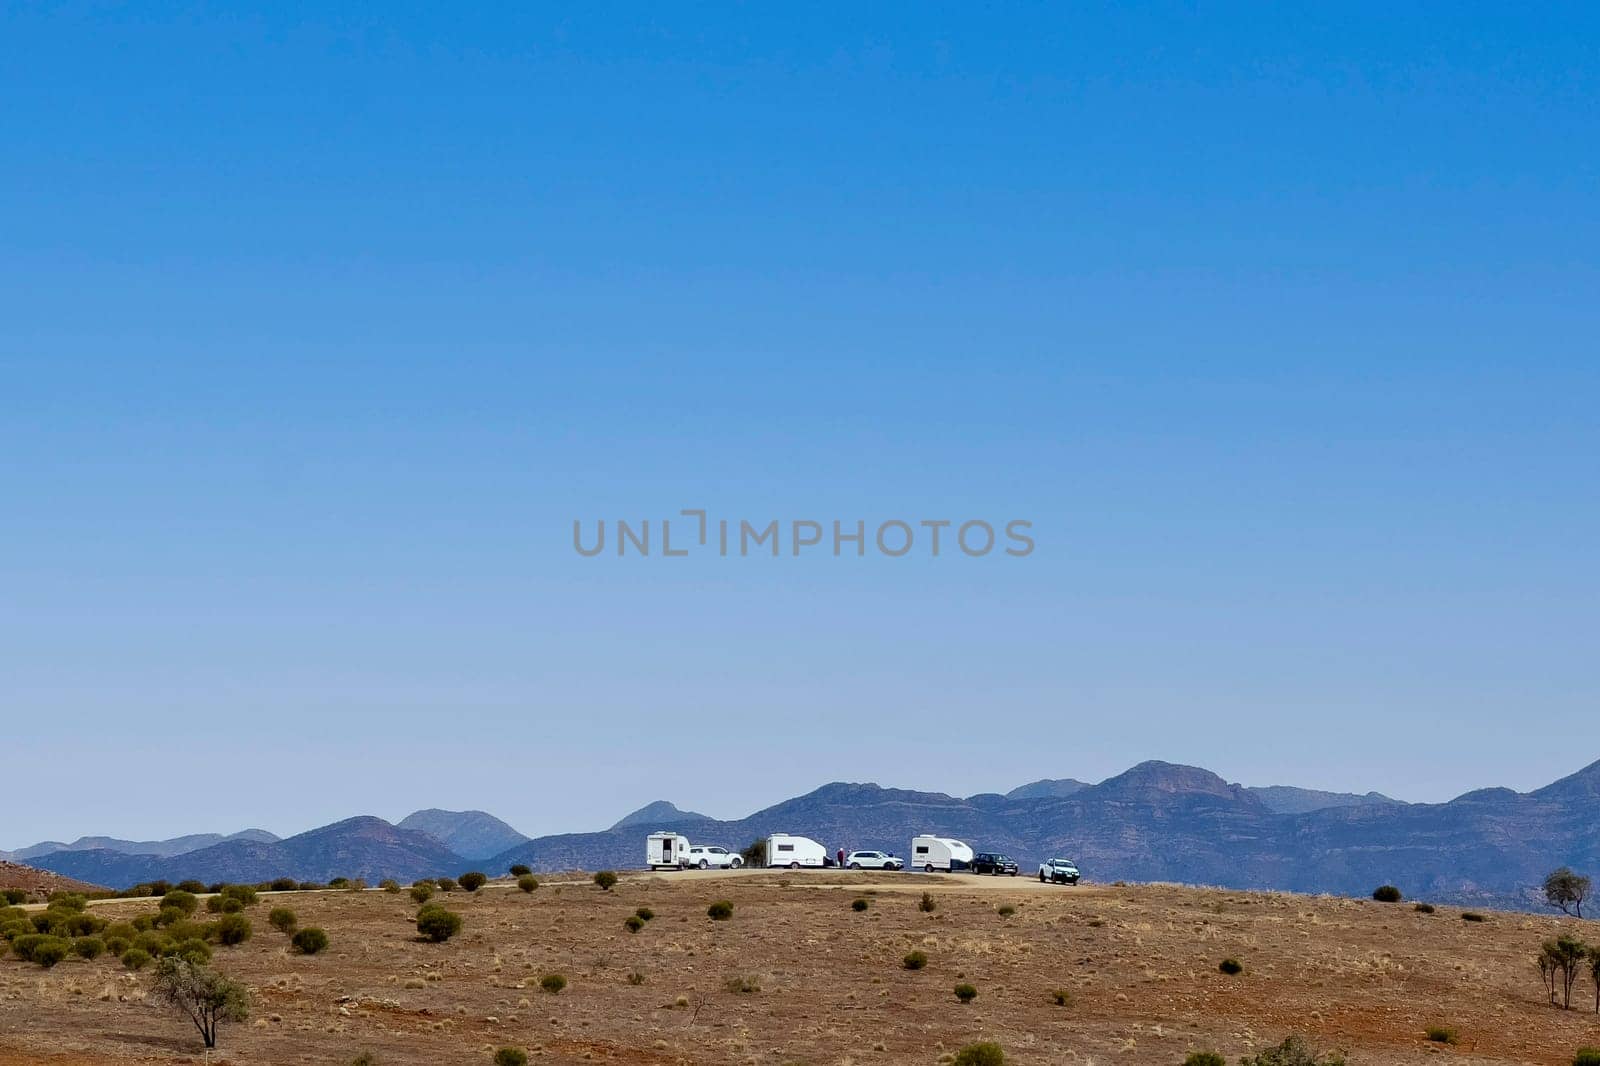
{"points": [[1060, 871], [710, 857]]}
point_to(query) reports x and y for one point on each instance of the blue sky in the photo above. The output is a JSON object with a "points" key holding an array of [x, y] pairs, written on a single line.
{"points": [[319, 327]]}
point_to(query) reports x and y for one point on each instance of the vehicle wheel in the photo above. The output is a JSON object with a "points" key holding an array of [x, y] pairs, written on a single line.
{"points": [[704, 864], [928, 869], [1041, 877], [736, 863], [855, 866], [1013, 873]]}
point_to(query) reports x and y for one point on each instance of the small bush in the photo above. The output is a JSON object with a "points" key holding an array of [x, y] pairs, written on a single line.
{"points": [[1061, 997], [389, 884], [1472, 916], [283, 920], [184, 901], [914, 960], [49, 951], [720, 911], [437, 924], [1387, 894], [519, 870], [636, 978], [472, 880], [985, 1053], [194, 951], [168, 915], [743, 985], [527, 882], [510, 1056], [645, 914], [1204, 1058], [233, 930], [245, 894], [309, 941], [1294, 1051], [365, 1058], [1231, 967], [136, 958], [927, 905], [1423, 908], [859, 905], [553, 983], [445, 884], [15, 896], [283, 884], [966, 993], [421, 893], [605, 879], [633, 922], [116, 945], [1005, 910], [1586, 1056], [89, 947], [1442, 1034]]}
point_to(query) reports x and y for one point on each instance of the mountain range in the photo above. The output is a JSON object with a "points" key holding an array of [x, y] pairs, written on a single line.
{"points": [[1155, 822]]}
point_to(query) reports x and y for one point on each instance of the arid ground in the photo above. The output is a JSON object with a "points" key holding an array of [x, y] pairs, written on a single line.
{"points": [[798, 976]]}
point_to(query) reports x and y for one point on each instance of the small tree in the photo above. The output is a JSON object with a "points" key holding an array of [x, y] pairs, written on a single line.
{"points": [[1387, 894], [755, 853], [205, 997], [605, 879], [519, 870], [1566, 891], [1560, 961], [527, 882], [472, 880]]}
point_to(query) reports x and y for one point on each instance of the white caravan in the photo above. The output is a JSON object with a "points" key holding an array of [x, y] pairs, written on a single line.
{"points": [[665, 850], [929, 853], [794, 852]]}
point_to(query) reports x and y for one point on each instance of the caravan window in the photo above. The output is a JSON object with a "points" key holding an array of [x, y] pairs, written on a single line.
{"points": [[785, 847], [922, 849]]}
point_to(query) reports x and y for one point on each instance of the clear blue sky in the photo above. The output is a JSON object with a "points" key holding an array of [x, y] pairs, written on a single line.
{"points": [[318, 327]]}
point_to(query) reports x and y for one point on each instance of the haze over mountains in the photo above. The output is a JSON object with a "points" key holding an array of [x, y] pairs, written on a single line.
{"points": [[1156, 822]]}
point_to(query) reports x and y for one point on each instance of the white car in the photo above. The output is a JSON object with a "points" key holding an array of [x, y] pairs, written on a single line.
{"points": [[1060, 871], [710, 857], [872, 860]]}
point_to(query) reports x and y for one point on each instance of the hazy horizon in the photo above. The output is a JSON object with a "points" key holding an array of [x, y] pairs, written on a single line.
{"points": [[319, 329]]}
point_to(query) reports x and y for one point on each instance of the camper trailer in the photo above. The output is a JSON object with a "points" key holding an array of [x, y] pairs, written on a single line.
{"points": [[794, 852], [665, 851], [930, 853]]}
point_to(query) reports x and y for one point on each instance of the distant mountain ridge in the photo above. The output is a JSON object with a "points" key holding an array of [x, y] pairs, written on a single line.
{"points": [[173, 846], [1155, 822], [473, 834]]}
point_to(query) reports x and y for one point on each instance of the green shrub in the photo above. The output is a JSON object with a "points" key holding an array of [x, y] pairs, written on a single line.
{"points": [[184, 901], [553, 983], [143, 922], [605, 879], [152, 943], [116, 945], [135, 958], [282, 919], [437, 924], [510, 1056], [245, 894], [89, 947], [1424, 908], [224, 905], [1472, 916], [389, 884], [49, 951], [23, 945], [1387, 894], [284, 884], [1442, 1034], [914, 960], [68, 901], [340, 883], [966, 993], [1294, 1051], [859, 905], [233, 930], [365, 1058], [14, 896], [1061, 997], [193, 951], [1586, 1056], [472, 880], [309, 941], [1231, 967], [745, 986], [720, 911], [984, 1053], [519, 870], [169, 915], [645, 914], [190, 931], [421, 893], [927, 905], [527, 882], [1204, 1058], [125, 930], [636, 978], [633, 922], [445, 884]]}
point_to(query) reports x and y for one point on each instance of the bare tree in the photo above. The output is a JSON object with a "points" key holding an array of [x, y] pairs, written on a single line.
{"points": [[205, 997], [1560, 961], [1566, 891]]}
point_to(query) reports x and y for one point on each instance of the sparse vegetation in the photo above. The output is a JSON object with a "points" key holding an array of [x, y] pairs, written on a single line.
{"points": [[1586, 1056], [233, 930], [743, 985], [1230, 966], [720, 911], [437, 924], [1442, 1034], [966, 993], [984, 1053], [914, 960], [636, 978], [645, 914], [205, 997], [633, 923], [1204, 1058], [135, 958], [510, 1056], [1294, 1051], [1387, 894], [553, 983], [389, 884], [1005, 910], [927, 905], [605, 879], [421, 893], [283, 920], [309, 941], [1424, 908], [1061, 997]]}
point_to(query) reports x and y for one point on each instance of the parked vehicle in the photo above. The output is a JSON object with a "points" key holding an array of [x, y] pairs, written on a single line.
{"points": [[872, 860], [930, 853], [664, 851], [784, 849], [989, 862], [1060, 871], [711, 857]]}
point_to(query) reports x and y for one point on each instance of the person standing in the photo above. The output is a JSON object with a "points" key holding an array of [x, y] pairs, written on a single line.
{"points": [[841, 858]]}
